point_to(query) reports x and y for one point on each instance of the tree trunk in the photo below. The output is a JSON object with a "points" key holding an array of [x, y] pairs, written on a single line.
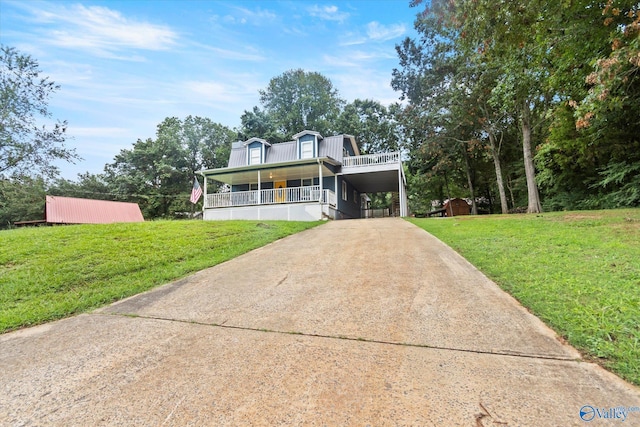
{"points": [[446, 183], [496, 162], [467, 167], [510, 187], [529, 168]]}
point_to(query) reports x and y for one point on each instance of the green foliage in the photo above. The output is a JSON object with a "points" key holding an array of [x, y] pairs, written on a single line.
{"points": [[158, 174], [258, 123], [26, 146], [373, 125], [48, 273], [577, 271], [298, 100], [22, 198], [87, 186], [565, 75]]}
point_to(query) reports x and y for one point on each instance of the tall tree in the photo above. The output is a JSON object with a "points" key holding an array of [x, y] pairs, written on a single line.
{"points": [[298, 100], [27, 146], [441, 101], [158, 173], [373, 125], [258, 123]]}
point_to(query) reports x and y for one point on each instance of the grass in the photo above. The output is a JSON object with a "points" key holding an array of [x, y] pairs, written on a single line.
{"points": [[578, 271], [53, 272]]}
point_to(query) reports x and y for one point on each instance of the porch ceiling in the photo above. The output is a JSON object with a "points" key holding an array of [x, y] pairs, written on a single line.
{"points": [[375, 182], [270, 174]]}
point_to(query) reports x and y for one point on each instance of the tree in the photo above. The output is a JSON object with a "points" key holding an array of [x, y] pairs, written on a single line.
{"points": [[26, 146], [22, 198], [443, 114], [260, 124], [373, 125], [298, 100], [87, 186], [158, 173]]}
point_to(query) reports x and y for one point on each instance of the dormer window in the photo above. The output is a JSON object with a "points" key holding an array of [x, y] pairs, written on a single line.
{"points": [[307, 144], [254, 156], [256, 151], [306, 149]]}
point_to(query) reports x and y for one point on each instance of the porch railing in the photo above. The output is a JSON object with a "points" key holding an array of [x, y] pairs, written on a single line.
{"points": [[270, 197], [371, 159]]}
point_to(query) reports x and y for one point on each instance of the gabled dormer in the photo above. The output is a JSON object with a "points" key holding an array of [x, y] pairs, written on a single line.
{"points": [[256, 151], [307, 144]]}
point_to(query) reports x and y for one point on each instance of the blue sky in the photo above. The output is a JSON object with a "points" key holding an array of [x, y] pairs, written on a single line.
{"points": [[124, 66]]}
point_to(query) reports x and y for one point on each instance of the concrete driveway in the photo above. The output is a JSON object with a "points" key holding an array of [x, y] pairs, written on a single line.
{"points": [[363, 322]]}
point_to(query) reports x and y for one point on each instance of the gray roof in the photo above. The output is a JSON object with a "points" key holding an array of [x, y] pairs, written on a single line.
{"points": [[331, 146], [281, 152], [238, 156], [286, 151]]}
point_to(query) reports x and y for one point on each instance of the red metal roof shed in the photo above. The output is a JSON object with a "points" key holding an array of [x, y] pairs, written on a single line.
{"points": [[69, 210]]}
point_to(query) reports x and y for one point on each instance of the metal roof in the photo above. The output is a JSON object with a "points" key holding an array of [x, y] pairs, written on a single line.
{"points": [[282, 152], [330, 146], [238, 157], [70, 210]]}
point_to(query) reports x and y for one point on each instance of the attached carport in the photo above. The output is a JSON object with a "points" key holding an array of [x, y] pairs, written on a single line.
{"points": [[383, 178]]}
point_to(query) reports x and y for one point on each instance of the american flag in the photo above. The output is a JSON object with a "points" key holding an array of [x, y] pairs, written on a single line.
{"points": [[196, 192]]}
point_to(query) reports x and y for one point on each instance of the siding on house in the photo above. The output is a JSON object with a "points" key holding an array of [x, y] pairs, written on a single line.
{"points": [[349, 208]]}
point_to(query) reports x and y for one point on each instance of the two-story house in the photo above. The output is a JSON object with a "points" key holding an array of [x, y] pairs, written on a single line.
{"points": [[307, 179]]}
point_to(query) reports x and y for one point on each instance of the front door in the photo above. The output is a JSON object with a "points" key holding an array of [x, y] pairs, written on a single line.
{"points": [[281, 191]]}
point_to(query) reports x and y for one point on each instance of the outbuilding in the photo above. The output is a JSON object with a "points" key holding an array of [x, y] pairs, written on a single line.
{"points": [[456, 207], [71, 210]]}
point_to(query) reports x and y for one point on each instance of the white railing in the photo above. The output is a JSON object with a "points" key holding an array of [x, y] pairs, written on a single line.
{"points": [[371, 159], [268, 197]]}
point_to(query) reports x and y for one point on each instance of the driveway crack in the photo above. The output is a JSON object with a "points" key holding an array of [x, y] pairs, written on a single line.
{"points": [[357, 339]]}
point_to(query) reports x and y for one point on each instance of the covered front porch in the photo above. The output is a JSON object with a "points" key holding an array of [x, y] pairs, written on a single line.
{"points": [[306, 194], [295, 190], [304, 190]]}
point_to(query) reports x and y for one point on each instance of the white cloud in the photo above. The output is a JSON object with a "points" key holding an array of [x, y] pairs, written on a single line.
{"points": [[357, 58], [98, 29], [366, 85], [100, 132], [379, 32], [328, 13], [245, 53], [242, 16]]}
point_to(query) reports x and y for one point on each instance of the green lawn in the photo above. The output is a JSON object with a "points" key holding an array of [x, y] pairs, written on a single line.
{"points": [[48, 273], [578, 271]]}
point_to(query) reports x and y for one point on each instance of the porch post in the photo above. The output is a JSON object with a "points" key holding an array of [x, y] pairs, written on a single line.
{"points": [[204, 202], [259, 192], [320, 178]]}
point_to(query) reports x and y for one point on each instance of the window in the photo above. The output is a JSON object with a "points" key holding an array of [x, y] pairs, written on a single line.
{"points": [[307, 182], [344, 190], [254, 156], [306, 149], [355, 196]]}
